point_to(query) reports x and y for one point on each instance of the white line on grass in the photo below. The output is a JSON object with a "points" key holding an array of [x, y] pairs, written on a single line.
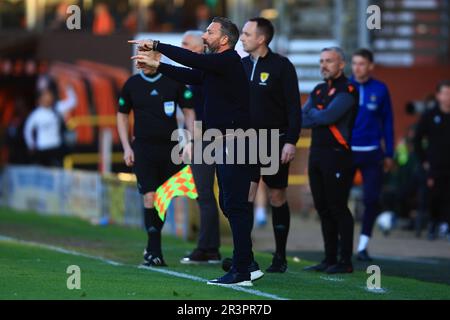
{"points": [[114, 263], [333, 279]]}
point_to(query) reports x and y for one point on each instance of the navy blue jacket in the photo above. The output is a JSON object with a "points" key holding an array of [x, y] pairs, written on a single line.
{"points": [[225, 85], [374, 122]]}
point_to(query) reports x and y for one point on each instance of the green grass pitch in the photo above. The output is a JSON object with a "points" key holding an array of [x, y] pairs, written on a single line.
{"points": [[31, 269]]}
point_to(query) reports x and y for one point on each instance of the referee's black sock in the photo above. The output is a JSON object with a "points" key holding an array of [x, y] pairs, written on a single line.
{"points": [[153, 226], [280, 221], [251, 206]]}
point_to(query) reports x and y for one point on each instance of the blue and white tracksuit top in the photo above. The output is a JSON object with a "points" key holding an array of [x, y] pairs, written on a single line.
{"points": [[374, 121]]}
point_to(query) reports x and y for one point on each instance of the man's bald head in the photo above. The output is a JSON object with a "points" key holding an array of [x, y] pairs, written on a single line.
{"points": [[192, 40]]}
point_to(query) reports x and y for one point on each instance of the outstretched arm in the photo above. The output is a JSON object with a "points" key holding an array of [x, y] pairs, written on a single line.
{"points": [[207, 62], [183, 75], [66, 105]]}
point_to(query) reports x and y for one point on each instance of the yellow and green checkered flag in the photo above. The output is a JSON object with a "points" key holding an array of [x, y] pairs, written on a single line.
{"points": [[180, 184]]}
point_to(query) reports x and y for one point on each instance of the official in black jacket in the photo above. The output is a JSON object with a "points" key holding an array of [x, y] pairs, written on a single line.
{"points": [[274, 104], [434, 126]]}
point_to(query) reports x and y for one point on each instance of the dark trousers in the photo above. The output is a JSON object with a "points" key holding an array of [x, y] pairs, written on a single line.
{"points": [[49, 157], [330, 178], [440, 199], [234, 186], [371, 166], [209, 235]]}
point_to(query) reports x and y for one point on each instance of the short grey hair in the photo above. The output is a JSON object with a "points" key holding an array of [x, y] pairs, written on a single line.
{"points": [[196, 34], [338, 50]]}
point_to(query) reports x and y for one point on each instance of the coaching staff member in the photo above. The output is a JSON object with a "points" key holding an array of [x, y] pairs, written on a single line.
{"points": [[372, 141], [226, 92], [153, 98], [208, 244], [434, 128], [330, 111], [274, 104]]}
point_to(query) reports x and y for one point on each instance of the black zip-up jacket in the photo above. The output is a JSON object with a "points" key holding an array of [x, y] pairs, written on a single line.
{"points": [[225, 85], [274, 95], [434, 127], [331, 111]]}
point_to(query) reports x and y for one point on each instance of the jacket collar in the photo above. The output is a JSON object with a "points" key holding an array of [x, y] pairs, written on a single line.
{"points": [[268, 54], [340, 79]]}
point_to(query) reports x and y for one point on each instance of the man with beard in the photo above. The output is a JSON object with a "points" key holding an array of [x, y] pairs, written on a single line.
{"points": [[226, 91]]}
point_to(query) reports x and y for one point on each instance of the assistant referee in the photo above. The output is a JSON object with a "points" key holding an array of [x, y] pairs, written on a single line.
{"points": [[153, 98]]}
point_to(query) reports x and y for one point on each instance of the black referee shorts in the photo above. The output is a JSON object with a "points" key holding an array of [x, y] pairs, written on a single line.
{"points": [[280, 179], [153, 164]]}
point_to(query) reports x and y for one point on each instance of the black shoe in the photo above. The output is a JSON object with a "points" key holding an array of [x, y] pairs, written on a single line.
{"points": [[199, 256], [227, 264], [431, 235], [340, 268], [255, 271], [321, 267], [233, 278], [153, 260], [279, 264], [432, 232], [364, 256]]}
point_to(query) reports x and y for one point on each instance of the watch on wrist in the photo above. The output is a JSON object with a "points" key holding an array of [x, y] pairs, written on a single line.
{"points": [[155, 45]]}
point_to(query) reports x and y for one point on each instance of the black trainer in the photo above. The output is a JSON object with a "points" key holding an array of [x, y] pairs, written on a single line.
{"points": [[227, 263], [340, 267], [255, 271], [233, 278], [364, 256], [153, 260], [321, 267], [279, 264], [199, 256]]}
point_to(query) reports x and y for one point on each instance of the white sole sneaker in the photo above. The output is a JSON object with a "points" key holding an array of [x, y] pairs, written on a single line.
{"points": [[247, 283], [182, 261], [256, 275]]}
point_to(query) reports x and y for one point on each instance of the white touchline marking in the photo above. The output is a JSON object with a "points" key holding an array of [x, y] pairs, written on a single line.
{"points": [[61, 250], [114, 263], [331, 279], [194, 278], [377, 291]]}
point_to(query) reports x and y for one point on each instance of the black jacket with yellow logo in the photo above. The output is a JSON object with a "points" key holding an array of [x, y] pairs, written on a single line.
{"points": [[274, 95]]}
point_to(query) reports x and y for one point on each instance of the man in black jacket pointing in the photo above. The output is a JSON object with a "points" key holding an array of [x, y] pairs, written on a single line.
{"points": [[226, 91]]}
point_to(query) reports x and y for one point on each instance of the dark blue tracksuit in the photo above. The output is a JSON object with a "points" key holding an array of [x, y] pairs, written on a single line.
{"points": [[373, 124], [226, 106]]}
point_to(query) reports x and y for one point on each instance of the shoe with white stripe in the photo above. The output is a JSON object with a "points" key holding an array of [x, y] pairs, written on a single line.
{"points": [[233, 279], [153, 260], [255, 271]]}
